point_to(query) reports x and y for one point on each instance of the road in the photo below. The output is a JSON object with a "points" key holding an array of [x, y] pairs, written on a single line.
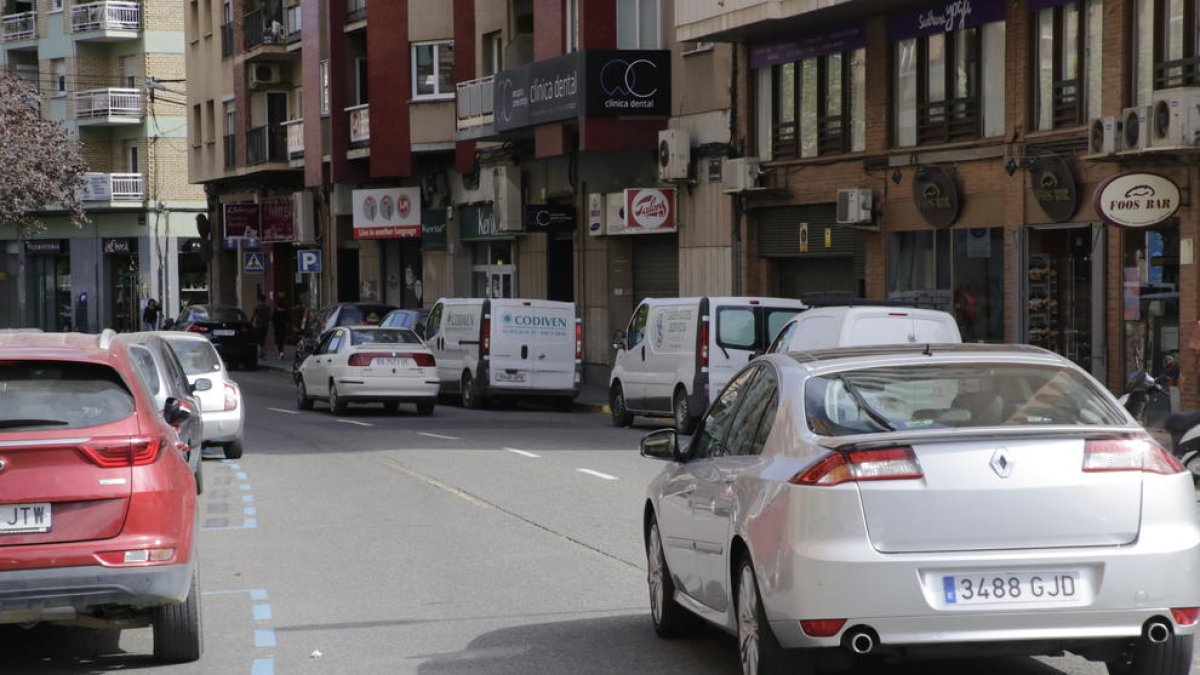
{"points": [[492, 542]]}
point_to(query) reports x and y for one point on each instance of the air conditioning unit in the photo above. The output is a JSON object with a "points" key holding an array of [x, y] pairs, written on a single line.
{"points": [[741, 174], [1104, 136], [854, 206], [506, 198], [674, 154], [263, 74], [1174, 118], [1135, 128]]}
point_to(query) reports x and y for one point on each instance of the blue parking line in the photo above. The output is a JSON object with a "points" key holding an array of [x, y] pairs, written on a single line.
{"points": [[261, 612], [264, 637], [249, 511], [248, 499], [244, 486], [263, 667], [258, 594], [241, 475]]}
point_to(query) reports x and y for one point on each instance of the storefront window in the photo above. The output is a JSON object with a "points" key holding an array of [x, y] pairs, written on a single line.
{"points": [[958, 271], [1150, 307], [193, 273], [492, 269]]}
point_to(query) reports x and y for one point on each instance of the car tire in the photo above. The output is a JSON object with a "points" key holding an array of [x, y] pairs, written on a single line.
{"points": [[470, 399], [670, 619], [1173, 657], [425, 409], [681, 411], [177, 628], [303, 400], [337, 405], [233, 449], [621, 417], [759, 650], [391, 407]]}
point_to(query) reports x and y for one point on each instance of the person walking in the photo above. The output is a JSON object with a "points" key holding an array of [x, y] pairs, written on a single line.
{"points": [[282, 321], [151, 315], [261, 318]]}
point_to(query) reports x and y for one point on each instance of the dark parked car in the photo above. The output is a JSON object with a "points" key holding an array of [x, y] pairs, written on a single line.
{"points": [[412, 319], [341, 314], [227, 328]]}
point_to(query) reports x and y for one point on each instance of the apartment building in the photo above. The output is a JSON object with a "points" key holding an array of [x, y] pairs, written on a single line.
{"points": [[111, 71]]}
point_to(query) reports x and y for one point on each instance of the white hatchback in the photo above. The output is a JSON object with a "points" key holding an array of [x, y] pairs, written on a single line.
{"points": [[366, 364], [221, 411]]}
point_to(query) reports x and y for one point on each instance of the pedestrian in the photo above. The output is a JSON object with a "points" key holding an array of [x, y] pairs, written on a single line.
{"points": [[151, 315], [282, 321], [261, 318]]}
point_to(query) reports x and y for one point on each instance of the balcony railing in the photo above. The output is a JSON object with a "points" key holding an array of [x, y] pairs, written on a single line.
{"points": [[226, 40], [266, 144], [356, 10], [295, 138], [21, 26], [360, 123], [262, 29], [114, 187], [475, 102], [292, 24], [106, 16], [230, 149], [111, 102]]}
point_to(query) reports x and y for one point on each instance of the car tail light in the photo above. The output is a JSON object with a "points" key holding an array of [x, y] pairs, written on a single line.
{"points": [[1185, 616], [231, 397], [196, 328], [822, 627], [861, 465], [703, 343], [365, 358], [578, 340], [485, 337], [112, 453], [1129, 455], [137, 556]]}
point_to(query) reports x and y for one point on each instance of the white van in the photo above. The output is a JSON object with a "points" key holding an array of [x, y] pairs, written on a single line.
{"points": [[677, 354], [506, 347], [859, 326]]}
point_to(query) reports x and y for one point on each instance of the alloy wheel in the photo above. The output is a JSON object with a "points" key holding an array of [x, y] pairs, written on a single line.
{"points": [[747, 622], [654, 574], [682, 414]]}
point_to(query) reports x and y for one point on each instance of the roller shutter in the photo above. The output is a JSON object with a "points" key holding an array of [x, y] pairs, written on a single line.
{"points": [[655, 266]]}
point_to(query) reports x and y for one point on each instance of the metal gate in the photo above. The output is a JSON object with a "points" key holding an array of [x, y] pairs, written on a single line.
{"points": [[655, 266]]}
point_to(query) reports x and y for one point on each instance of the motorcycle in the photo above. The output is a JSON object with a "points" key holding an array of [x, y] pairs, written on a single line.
{"points": [[1183, 427]]}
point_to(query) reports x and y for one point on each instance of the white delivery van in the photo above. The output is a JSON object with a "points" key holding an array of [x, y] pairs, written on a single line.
{"points": [[486, 348], [863, 325], [676, 354]]}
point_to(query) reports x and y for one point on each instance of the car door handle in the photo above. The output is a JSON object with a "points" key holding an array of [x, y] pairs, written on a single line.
{"points": [[643, 352]]}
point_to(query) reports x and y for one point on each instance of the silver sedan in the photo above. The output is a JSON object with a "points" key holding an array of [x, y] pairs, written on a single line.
{"points": [[923, 501]]}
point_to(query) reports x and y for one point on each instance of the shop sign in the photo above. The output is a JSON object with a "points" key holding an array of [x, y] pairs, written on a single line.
{"points": [[792, 49], [547, 217], [45, 246], [392, 213], [97, 187], [646, 211], [278, 222], [477, 222], [114, 246], [1054, 188], [944, 17], [433, 231], [241, 221], [1136, 200], [935, 193]]}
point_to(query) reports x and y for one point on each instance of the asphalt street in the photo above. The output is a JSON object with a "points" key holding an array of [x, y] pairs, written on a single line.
{"points": [[491, 542]]}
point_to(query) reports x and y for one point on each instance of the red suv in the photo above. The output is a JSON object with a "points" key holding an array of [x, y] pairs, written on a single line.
{"points": [[97, 504]]}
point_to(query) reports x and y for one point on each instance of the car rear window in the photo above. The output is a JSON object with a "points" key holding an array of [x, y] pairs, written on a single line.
{"points": [[934, 396], [197, 357], [362, 315], [61, 395], [392, 336], [232, 314]]}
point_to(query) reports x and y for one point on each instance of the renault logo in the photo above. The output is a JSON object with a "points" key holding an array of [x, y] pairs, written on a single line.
{"points": [[1002, 464]]}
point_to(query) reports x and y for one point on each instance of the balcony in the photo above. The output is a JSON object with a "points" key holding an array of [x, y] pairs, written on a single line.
{"points": [[112, 187], [111, 106], [475, 104], [17, 27], [360, 125], [263, 29], [230, 151], [295, 139], [356, 10], [292, 25], [266, 144], [106, 21], [699, 19], [226, 40]]}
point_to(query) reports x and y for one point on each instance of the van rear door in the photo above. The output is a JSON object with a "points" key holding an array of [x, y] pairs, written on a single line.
{"points": [[740, 331], [533, 345]]}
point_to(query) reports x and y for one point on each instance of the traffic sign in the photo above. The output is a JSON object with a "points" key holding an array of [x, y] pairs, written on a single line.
{"points": [[254, 262], [308, 261]]}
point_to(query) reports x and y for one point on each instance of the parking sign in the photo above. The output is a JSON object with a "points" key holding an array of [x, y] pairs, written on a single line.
{"points": [[308, 261]]}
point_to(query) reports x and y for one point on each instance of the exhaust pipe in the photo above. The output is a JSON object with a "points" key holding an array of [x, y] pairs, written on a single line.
{"points": [[859, 641], [1157, 632]]}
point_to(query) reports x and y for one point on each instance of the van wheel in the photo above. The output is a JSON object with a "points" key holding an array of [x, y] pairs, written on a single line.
{"points": [[177, 636], [681, 410], [469, 399], [621, 417]]}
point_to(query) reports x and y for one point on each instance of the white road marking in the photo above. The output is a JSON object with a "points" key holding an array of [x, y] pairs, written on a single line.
{"points": [[361, 424], [597, 474], [523, 453], [444, 438], [285, 412]]}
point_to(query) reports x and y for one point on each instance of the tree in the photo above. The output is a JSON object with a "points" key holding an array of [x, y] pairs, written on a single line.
{"points": [[41, 168]]}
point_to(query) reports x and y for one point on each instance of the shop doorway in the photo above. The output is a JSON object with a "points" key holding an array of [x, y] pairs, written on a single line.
{"points": [[560, 268], [492, 271], [50, 291], [123, 289], [1063, 293], [347, 275]]}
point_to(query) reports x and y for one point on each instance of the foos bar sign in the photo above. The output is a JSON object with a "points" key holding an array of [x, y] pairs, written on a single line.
{"points": [[1137, 200]]}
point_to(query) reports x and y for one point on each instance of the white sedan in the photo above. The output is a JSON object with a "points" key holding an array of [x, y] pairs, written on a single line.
{"points": [[221, 412], [366, 364]]}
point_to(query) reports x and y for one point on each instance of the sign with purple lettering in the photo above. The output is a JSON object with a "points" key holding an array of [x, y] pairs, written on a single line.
{"points": [[791, 49], [944, 17]]}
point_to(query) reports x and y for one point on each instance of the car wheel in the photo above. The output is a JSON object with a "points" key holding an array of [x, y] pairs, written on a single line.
{"points": [[391, 407], [233, 449], [303, 400], [337, 405], [758, 649], [621, 417], [177, 636], [469, 399], [1173, 657], [681, 411], [425, 409], [670, 619]]}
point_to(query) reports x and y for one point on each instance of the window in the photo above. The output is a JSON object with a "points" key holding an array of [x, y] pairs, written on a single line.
{"points": [[56, 6], [571, 26], [324, 86], [493, 53], [1067, 56], [637, 327], [60, 75], [361, 82], [818, 105], [638, 24], [197, 129], [1166, 51], [76, 395], [755, 416], [433, 70], [712, 434], [131, 157]]}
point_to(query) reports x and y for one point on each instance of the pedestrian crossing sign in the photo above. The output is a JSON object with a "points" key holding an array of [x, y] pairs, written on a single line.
{"points": [[254, 262]]}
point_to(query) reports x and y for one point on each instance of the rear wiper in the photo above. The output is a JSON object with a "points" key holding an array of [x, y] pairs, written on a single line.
{"points": [[30, 422], [866, 407]]}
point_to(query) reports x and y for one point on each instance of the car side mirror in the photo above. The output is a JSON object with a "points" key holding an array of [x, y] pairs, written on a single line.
{"points": [[202, 384], [662, 444], [618, 342], [176, 412]]}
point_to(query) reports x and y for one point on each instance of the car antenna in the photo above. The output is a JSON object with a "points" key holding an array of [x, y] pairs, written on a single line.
{"points": [[928, 349]]}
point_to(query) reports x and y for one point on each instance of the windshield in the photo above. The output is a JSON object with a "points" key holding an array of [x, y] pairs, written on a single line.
{"points": [[61, 395], [942, 396], [219, 314], [197, 357], [392, 336]]}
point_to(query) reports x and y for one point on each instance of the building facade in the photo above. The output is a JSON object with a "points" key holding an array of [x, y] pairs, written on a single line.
{"points": [[112, 72]]}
